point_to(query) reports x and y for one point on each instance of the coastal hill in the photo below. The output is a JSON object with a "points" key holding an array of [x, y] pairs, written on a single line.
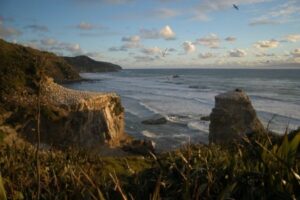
{"points": [[86, 64], [67, 117], [19, 64]]}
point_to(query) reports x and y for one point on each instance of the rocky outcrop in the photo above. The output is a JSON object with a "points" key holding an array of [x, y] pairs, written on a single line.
{"points": [[77, 118], [233, 117], [155, 120]]}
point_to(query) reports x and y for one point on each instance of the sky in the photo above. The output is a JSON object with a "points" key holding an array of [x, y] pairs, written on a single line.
{"points": [[159, 33]]}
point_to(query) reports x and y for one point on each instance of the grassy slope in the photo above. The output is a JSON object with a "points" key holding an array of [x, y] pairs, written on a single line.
{"points": [[20, 66]]}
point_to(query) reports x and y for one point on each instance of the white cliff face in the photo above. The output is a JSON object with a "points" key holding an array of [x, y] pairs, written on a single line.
{"points": [[233, 117], [71, 117]]}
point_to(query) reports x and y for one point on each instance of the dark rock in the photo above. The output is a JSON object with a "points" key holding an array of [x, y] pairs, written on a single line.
{"points": [[143, 147], [233, 117], [156, 120], [175, 76], [205, 118]]}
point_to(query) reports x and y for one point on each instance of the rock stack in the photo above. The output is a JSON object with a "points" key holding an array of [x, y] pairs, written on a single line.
{"points": [[233, 117]]}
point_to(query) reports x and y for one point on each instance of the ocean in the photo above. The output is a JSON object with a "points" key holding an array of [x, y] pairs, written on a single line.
{"points": [[183, 96]]}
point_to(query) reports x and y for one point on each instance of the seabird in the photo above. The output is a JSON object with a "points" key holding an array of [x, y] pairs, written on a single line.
{"points": [[164, 53], [235, 7]]}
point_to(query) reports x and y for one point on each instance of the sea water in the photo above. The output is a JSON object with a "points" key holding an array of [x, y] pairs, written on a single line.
{"points": [[183, 96]]}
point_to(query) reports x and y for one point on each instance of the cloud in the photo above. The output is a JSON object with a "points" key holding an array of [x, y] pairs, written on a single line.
{"points": [[267, 44], [132, 39], [263, 54], [51, 44], [263, 21], [129, 42], [206, 55], [122, 48], [292, 38], [165, 33], [230, 39], [296, 53], [152, 51], [7, 32], [237, 53], [85, 26], [282, 13], [37, 28], [211, 41], [205, 7], [165, 13], [189, 47], [144, 58]]}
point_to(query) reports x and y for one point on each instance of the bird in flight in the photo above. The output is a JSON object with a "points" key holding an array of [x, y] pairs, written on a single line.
{"points": [[164, 53], [235, 6]]}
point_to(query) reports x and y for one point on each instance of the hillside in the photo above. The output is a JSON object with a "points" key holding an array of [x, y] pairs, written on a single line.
{"points": [[86, 64], [20, 67]]}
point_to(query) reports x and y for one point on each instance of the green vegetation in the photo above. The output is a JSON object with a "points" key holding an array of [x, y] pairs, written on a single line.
{"points": [[20, 67], [252, 169]]}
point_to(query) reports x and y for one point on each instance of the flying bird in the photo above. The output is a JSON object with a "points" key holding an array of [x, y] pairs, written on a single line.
{"points": [[235, 6], [164, 53]]}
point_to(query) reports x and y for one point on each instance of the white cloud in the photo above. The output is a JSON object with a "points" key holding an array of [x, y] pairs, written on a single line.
{"points": [[85, 26], [263, 21], [283, 13], [132, 39], [293, 38], [151, 51], [50, 44], [211, 41], [267, 44], [230, 39], [189, 47], [263, 54], [237, 53], [166, 33], [206, 55]]}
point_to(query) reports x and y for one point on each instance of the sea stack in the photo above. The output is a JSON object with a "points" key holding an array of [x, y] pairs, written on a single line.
{"points": [[233, 117]]}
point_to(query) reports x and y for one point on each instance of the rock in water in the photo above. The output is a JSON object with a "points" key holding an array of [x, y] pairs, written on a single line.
{"points": [[155, 120], [233, 117]]}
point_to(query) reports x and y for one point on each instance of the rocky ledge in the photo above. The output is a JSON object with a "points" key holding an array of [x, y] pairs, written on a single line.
{"points": [[77, 118]]}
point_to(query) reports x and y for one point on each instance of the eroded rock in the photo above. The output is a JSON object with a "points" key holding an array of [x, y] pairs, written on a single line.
{"points": [[233, 117], [77, 118]]}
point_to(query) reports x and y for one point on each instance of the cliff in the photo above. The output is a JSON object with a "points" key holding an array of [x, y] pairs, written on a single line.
{"points": [[71, 117], [68, 117], [86, 64]]}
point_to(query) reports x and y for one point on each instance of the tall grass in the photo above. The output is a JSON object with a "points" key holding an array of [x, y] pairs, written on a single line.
{"points": [[252, 169]]}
